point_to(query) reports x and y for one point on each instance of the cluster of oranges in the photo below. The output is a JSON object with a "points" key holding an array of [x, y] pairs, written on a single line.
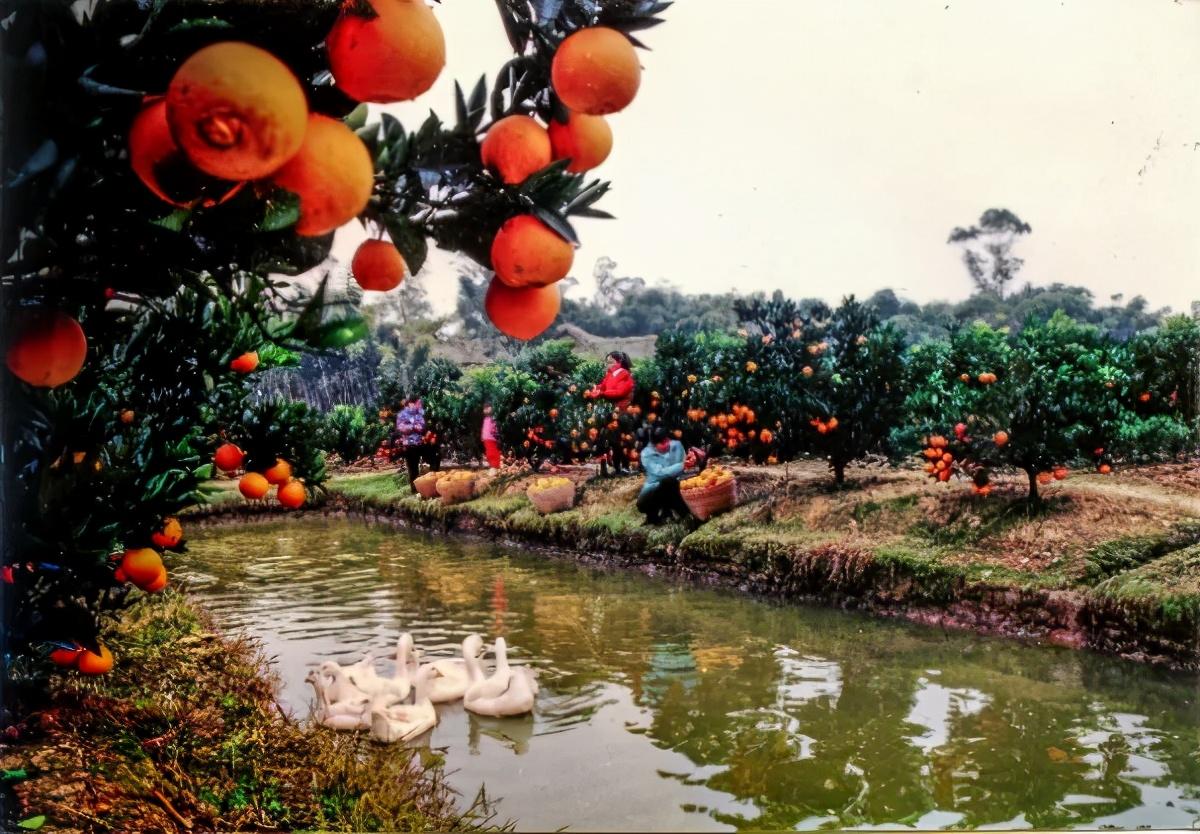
{"points": [[824, 426], [714, 476], [939, 459], [255, 485], [594, 72], [985, 378], [738, 427]]}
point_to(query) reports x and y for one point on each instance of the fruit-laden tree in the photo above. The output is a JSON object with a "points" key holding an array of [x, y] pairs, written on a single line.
{"points": [[1036, 401], [857, 384], [352, 432], [166, 151], [987, 249]]}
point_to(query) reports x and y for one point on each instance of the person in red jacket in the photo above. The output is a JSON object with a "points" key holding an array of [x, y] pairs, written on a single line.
{"points": [[616, 389]]}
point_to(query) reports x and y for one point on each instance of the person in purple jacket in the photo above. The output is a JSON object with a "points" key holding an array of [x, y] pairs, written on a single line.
{"points": [[410, 434]]}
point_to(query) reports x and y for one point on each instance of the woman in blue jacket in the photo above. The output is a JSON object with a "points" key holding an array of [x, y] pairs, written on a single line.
{"points": [[664, 461]]}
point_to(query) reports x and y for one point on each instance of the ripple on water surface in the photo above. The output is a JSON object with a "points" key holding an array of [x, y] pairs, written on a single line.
{"points": [[672, 708]]}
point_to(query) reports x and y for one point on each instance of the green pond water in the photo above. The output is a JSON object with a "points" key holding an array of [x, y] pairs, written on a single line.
{"points": [[668, 707]]}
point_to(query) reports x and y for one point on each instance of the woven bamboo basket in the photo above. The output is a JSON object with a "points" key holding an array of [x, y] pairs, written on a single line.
{"points": [[705, 503], [455, 492], [553, 500], [426, 485]]}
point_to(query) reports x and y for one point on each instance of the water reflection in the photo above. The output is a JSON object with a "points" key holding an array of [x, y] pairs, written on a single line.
{"points": [[672, 708]]}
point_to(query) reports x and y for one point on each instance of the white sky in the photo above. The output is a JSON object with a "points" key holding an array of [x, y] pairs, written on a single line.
{"points": [[829, 147]]}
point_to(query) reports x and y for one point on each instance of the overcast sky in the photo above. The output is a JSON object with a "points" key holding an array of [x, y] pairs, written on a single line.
{"points": [[828, 147]]}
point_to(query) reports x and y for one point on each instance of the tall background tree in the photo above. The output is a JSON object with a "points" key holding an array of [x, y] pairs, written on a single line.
{"points": [[987, 249]]}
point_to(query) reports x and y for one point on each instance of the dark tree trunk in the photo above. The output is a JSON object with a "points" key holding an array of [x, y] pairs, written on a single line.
{"points": [[839, 472], [1033, 486]]}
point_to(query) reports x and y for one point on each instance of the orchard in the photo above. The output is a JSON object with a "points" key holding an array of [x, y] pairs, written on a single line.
{"points": [[172, 169]]}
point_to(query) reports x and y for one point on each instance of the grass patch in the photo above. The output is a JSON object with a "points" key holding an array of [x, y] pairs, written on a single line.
{"points": [[1130, 552], [1167, 588], [375, 488], [185, 732]]}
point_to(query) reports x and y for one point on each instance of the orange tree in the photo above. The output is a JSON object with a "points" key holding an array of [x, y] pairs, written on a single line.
{"points": [[1038, 400], [167, 149]]}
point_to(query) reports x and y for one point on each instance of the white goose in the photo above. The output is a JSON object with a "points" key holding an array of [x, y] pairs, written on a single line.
{"points": [[342, 715], [448, 678], [400, 683], [339, 689], [505, 692], [391, 721]]}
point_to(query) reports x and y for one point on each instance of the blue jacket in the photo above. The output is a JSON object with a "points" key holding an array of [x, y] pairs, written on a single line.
{"points": [[410, 425], [660, 465]]}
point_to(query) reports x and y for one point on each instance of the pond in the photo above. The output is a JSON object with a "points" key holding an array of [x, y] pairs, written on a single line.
{"points": [[668, 707]]}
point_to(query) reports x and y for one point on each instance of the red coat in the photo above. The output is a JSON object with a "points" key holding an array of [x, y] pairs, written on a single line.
{"points": [[616, 387]]}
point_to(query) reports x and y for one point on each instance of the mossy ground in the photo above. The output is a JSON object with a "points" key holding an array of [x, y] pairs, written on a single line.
{"points": [[185, 733]]}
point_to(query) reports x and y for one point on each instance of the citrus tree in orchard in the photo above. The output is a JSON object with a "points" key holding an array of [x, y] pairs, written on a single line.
{"points": [[1038, 401], [170, 166]]}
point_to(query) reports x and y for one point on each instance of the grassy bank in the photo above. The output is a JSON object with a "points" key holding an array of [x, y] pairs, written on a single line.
{"points": [[1104, 562], [185, 733]]}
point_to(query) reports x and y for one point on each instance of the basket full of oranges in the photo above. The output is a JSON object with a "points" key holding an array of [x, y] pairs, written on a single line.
{"points": [[712, 491], [426, 485], [551, 494], [456, 486]]}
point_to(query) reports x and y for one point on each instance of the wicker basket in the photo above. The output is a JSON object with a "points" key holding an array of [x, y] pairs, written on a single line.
{"points": [[705, 503], [553, 500], [426, 485], [457, 491]]}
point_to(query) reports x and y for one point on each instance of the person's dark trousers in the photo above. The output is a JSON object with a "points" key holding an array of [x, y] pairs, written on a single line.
{"points": [[432, 453], [412, 458], [662, 501]]}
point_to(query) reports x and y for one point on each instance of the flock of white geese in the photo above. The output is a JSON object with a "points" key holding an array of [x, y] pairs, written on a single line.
{"points": [[401, 707]]}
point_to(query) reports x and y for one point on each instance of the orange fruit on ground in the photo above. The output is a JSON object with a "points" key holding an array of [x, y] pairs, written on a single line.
{"points": [[48, 350], [170, 535], [378, 266], [141, 565], [521, 312], [1105, 469], [91, 663], [245, 363], [228, 457], [237, 111], [596, 71], [528, 253], [161, 164], [1060, 473], [280, 473], [1000, 438], [292, 495], [332, 173], [1044, 478], [157, 584], [66, 657], [585, 140], [515, 147], [394, 56], [253, 486]]}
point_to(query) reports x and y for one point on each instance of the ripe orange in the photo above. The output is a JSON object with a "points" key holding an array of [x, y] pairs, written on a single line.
{"points": [[228, 457], [965, 377], [48, 350], [1044, 478], [807, 371], [585, 140], [141, 566], [332, 173], [280, 473], [157, 584], [515, 147], [394, 56], [378, 266], [1001, 438], [160, 163], [66, 657], [944, 475], [1144, 397], [524, 312], [596, 71], [253, 486], [527, 253], [937, 441], [127, 416], [91, 663], [236, 110], [170, 535], [1105, 469], [1060, 473], [245, 363]]}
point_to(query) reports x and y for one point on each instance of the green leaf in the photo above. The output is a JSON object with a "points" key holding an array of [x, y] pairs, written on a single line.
{"points": [[9, 775], [174, 221], [357, 117], [204, 472], [32, 823], [556, 222], [282, 209], [409, 240]]}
